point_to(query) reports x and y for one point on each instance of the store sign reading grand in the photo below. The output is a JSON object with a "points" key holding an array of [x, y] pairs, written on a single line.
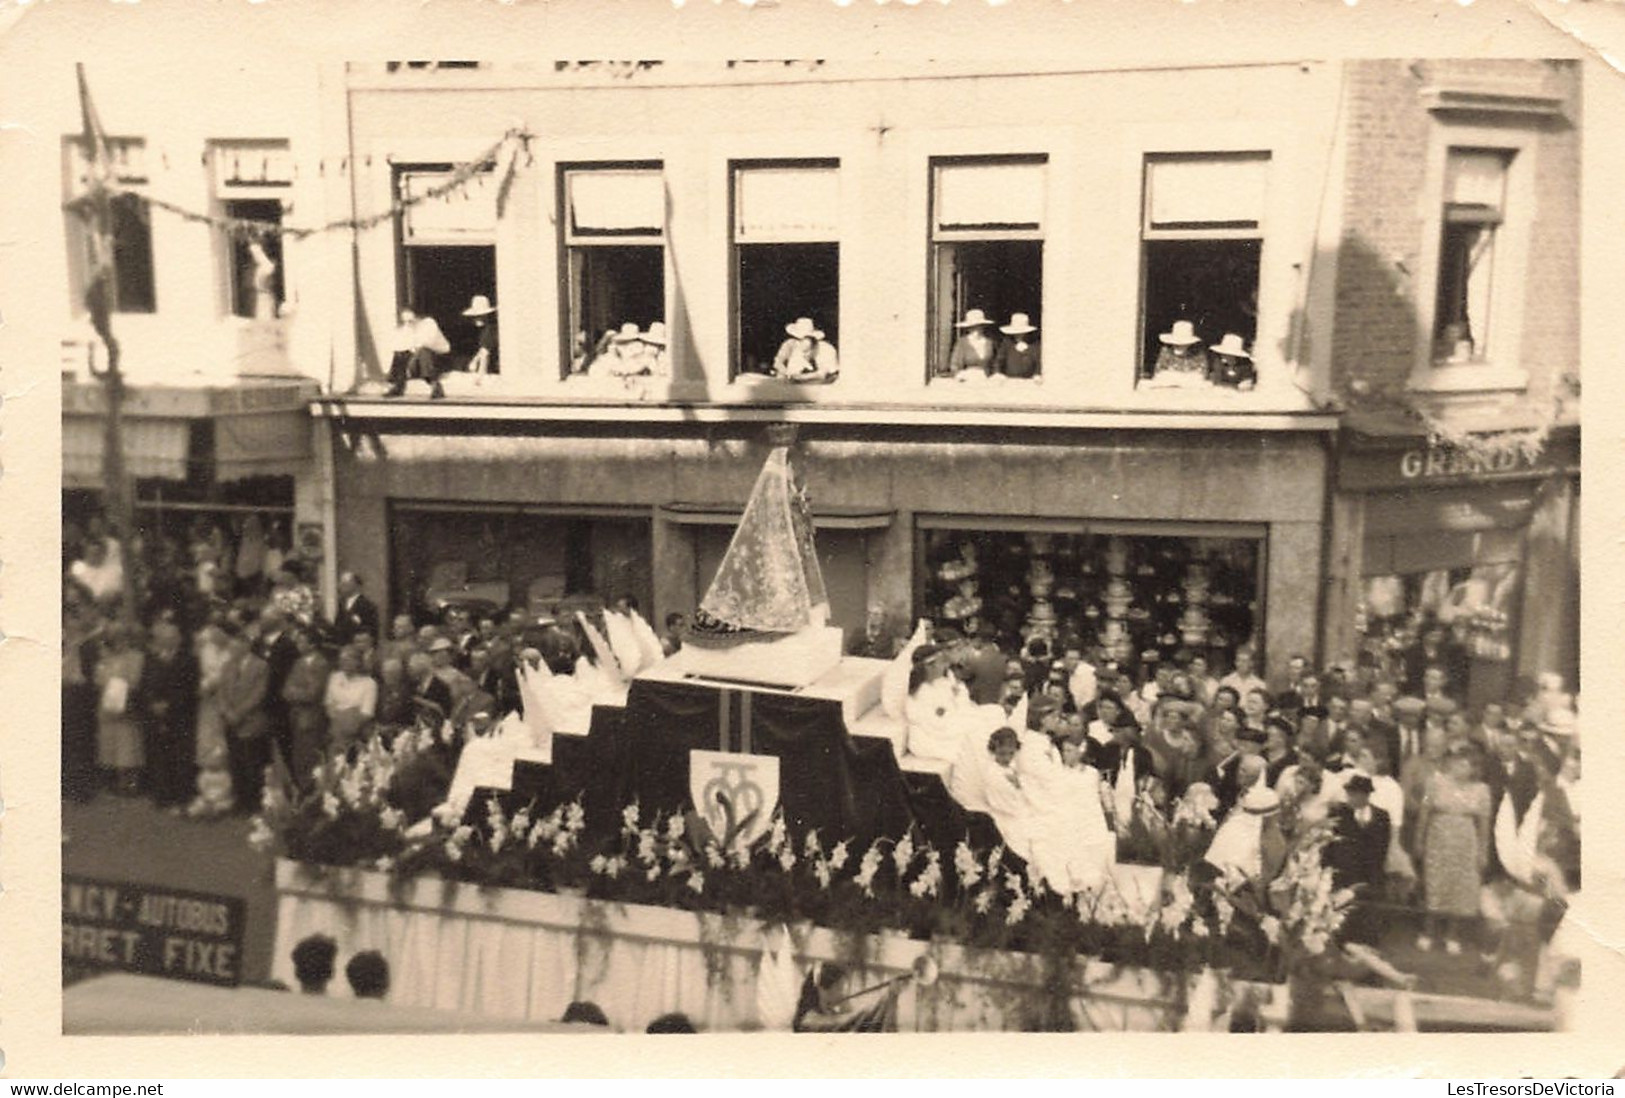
{"points": [[1433, 463]]}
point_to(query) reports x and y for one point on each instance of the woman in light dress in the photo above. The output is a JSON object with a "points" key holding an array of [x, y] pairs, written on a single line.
{"points": [[120, 744]]}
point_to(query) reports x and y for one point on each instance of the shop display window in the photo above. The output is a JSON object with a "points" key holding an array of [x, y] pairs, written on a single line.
{"points": [[1471, 604], [524, 560], [1123, 595]]}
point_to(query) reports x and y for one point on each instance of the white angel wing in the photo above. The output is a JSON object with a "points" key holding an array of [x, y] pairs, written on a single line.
{"points": [[605, 651]]}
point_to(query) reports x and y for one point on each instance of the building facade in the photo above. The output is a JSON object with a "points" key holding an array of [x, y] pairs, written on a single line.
{"points": [[725, 203], [1458, 297], [223, 336]]}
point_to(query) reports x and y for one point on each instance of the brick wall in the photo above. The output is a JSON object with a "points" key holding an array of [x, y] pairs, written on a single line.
{"points": [[1388, 128]]}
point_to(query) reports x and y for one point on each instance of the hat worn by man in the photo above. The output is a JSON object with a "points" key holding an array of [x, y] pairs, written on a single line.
{"points": [[439, 644], [1260, 801], [1230, 346], [656, 334], [1358, 784], [1020, 324], [974, 318], [1182, 334], [1409, 707], [629, 333], [480, 306], [803, 328]]}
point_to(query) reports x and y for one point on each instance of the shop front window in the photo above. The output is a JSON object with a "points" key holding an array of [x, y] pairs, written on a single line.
{"points": [[614, 218], [448, 255], [1444, 598], [787, 259], [1134, 598], [525, 561], [987, 264], [1201, 246]]}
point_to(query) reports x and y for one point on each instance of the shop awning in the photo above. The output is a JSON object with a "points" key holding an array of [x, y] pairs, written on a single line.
{"points": [[825, 516], [261, 444], [254, 428], [152, 448]]}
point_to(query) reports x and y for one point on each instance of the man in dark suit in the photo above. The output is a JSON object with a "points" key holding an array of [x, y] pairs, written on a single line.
{"points": [[276, 648], [426, 685], [1108, 758], [241, 696], [1509, 775], [1225, 777], [356, 612], [1358, 856]]}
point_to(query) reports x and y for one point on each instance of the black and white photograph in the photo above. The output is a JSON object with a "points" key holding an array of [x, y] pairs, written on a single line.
{"points": [[814, 541]]}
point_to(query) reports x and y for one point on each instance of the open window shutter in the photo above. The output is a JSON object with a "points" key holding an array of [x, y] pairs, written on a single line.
{"points": [[617, 203], [990, 196], [1216, 191], [787, 204]]}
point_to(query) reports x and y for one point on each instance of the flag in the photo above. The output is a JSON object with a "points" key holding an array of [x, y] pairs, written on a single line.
{"points": [[94, 207]]}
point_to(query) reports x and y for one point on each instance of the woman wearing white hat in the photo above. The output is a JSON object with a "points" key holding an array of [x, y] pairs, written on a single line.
{"points": [[654, 344], [973, 351], [1232, 365], [484, 315], [804, 356], [627, 355], [1017, 355], [1181, 362]]}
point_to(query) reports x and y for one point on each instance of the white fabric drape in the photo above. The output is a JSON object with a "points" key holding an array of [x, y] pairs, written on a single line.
{"points": [[526, 956]]}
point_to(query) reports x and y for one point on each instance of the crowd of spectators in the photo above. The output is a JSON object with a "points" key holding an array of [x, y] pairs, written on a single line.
{"points": [[1425, 795]]}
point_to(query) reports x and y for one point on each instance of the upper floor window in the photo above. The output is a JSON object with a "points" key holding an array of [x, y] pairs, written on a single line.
{"points": [[448, 260], [251, 181], [786, 276], [614, 218], [1202, 236], [1474, 208], [134, 288], [987, 266]]}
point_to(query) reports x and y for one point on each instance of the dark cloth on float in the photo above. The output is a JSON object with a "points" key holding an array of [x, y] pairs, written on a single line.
{"points": [[166, 700]]}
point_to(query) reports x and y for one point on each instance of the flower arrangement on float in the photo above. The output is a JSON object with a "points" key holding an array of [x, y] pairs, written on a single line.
{"points": [[350, 817]]}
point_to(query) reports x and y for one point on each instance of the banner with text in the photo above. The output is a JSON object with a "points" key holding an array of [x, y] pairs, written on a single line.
{"points": [[156, 931]]}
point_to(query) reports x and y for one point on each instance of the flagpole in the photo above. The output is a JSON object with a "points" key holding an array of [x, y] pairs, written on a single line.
{"points": [[96, 208]]}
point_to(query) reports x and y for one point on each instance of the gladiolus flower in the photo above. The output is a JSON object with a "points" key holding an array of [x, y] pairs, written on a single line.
{"points": [[696, 882], [838, 856]]}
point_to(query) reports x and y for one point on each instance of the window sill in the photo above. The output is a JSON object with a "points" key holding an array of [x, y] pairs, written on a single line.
{"points": [[1480, 377]]}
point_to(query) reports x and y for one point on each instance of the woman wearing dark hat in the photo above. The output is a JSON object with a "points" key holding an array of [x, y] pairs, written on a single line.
{"points": [[973, 349]]}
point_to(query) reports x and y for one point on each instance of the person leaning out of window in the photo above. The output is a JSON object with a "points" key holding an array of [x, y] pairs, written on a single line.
{"points": [[1232, 366], [805, 356], [1017, 356], [1181, 361], [971, 358]]}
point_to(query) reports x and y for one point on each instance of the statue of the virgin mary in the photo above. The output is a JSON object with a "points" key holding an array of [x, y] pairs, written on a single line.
{"points": [[769, 580], [769, 587]]}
